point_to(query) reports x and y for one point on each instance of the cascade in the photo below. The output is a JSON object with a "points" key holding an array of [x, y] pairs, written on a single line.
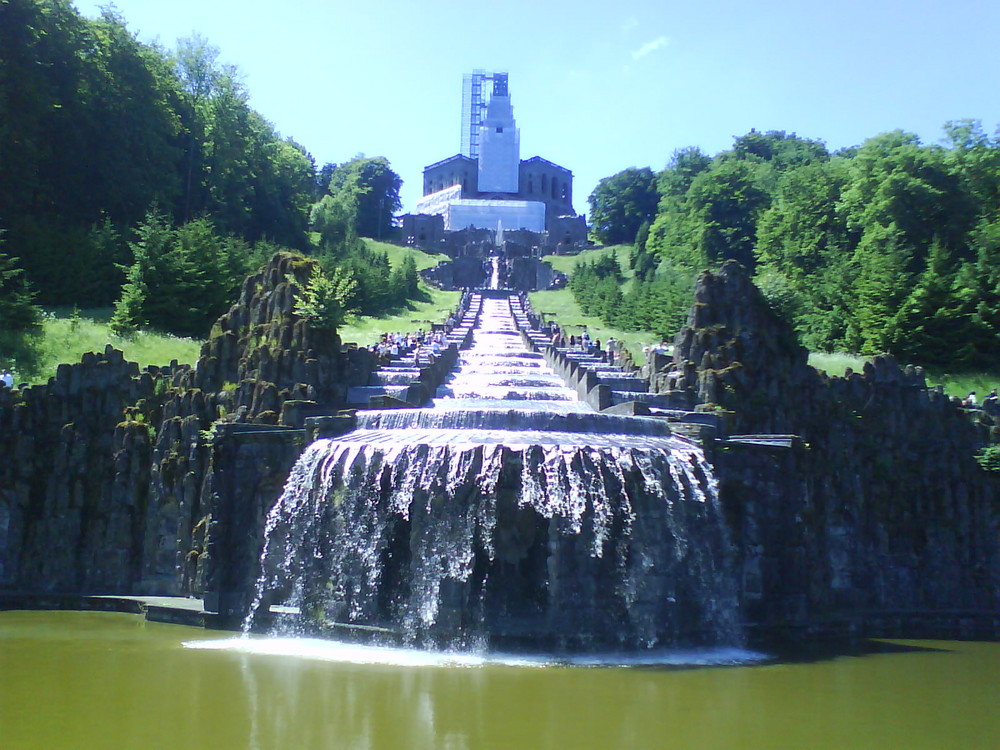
{"points": [[508, 513]]}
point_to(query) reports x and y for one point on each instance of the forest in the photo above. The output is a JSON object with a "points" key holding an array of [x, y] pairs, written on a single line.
{"points": [[889, 246], [138, 177]]}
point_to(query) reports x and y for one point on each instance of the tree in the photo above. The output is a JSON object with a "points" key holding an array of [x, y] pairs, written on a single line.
{"points": [[147, 278], [18, 313], [727, 200], [880, 286], [334, 219], [621, 203], [181, 279], [374, 189], [96, 127], [803, 225], [685, 164], [326, 299], [896, 181], [933, 325], [20, 319], [783, 150], [404, 279]]}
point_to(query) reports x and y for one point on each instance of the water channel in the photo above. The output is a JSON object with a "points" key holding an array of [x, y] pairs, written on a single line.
{"points": [[509, 513]]}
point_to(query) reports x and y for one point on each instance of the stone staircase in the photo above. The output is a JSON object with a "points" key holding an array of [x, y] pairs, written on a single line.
{"points": [[609, 387], [410, 379]]}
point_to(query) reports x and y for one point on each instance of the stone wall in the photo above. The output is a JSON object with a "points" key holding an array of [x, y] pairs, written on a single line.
{"points": [[880, 506], [69, 518], [107, 479]]}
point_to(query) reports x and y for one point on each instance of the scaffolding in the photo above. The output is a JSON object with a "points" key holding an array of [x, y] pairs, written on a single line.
{"points": [[477, 88]]}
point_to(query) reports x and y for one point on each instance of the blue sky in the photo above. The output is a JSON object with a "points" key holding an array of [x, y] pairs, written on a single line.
{"points": [[597, 86]]}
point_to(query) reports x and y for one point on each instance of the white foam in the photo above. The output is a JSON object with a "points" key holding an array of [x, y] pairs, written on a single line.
{"points": [[318, 649]]}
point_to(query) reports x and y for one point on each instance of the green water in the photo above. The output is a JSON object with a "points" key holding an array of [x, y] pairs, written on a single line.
{"points": [[108, 681]]}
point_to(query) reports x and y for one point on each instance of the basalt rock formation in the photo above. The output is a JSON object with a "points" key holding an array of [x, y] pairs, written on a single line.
{"points": [[876, 512], [107, 478]]}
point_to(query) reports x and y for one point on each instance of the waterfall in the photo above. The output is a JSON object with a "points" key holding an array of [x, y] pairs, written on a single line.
{"points": [[538, 528]]}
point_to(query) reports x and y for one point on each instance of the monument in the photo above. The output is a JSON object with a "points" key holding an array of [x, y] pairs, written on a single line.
{"points": [[488, 182]]}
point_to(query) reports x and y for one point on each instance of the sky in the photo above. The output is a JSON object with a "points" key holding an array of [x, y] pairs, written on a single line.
{"points": [[597, 85]]}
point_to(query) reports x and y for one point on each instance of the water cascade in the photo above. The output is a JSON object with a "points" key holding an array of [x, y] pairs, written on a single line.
{"points": [[508, 513]]}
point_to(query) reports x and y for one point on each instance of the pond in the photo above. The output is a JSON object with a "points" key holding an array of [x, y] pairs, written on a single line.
{"points": [[110, 681]]}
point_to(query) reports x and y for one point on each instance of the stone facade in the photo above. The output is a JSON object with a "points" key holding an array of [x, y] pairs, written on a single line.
{"points": [[538, 180]]}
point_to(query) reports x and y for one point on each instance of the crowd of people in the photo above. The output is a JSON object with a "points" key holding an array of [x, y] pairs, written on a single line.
{"points": [[991, 404], [611, 352], [421, 342]]}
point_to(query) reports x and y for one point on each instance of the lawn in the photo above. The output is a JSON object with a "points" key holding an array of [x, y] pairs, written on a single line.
{"points": [[560, 305], [364, 331], [566, 263], [955, 384], [67, 335], [396, 254]]}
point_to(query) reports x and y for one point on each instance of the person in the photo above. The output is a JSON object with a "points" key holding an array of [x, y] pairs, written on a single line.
{"points": [[611, 350], [970, 400], [991, 404], [7, 378]]}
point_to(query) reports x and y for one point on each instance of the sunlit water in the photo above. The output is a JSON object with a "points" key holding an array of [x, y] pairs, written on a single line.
{"points": [[116, 682]]}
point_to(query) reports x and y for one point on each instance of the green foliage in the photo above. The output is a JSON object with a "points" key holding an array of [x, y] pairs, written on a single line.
{"points": [[655, 302], [326, 300], [362, 196], [18, 313], [989, 459], [936, 324], [887, 246], [97, 128], [20, 319], [180, 279], [781, 149], [621, 203]]}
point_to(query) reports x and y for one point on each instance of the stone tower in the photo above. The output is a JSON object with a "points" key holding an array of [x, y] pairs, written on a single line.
{"points": [[499, 142]]}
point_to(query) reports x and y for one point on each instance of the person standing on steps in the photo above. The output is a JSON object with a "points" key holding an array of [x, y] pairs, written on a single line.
{"points": [[991, 404], [611, 350]]}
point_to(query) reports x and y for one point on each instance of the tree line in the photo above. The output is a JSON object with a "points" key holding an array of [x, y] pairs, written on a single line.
{"points": [[892, 245], [140, 177]]}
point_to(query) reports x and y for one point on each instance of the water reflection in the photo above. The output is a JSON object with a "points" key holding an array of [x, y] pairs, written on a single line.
{"points": [[84, 680]]}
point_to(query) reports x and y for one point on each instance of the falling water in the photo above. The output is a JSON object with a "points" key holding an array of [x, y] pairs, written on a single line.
{"points": [[494, 281], [509, 513]]}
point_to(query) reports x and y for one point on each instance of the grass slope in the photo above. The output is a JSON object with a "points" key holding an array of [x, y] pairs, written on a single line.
{"points": [[954, 384], [559, 304], [363, 330], [566, 263], [66, 336], [396, 254]]}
